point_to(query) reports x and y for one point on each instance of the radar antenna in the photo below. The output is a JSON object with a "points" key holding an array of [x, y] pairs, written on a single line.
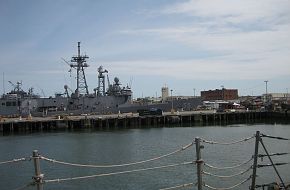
{"points": [[101, 85], [79, 62], [17, 86], [66, 88]]}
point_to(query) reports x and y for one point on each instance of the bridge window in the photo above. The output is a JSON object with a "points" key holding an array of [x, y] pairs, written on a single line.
{"points": [[10, 103]]}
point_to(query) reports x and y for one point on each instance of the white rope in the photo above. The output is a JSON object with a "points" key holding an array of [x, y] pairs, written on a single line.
{"points": [[117, 165], [178, 186], [227, 188], [117, 173], [13, 161], [280, 138], [227, 167], [228, 176], [227, 143]]}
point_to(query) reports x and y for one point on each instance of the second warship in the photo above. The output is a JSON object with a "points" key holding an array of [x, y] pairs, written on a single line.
{"points": [[80, 101]]}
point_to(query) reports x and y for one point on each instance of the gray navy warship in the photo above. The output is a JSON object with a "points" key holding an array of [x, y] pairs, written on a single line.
{"points": [[104, 99]]}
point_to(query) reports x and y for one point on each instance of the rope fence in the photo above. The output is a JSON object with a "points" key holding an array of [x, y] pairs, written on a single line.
{"points": [[228, 167], [15, 160], [273, 154], [117, 165], [272, 185], [273, 137], [116, 173], [229, 176], [38, 180], [227, 188], [178, 186], [275, 164], [228, 143]]}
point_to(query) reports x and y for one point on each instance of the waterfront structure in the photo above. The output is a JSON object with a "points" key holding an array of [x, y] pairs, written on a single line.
{"points": [[276, 97], [164, 93], [220, 94], [108, 97]]}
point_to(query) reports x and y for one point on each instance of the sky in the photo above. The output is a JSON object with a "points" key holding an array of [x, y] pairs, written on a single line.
{"points": [[187, 45]]}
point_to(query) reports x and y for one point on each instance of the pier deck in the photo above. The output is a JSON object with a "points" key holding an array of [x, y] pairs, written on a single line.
{"points": [[133, 120]]}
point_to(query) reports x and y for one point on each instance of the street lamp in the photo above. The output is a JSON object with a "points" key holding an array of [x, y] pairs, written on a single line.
{"points": [[223, 92], [172, 111]]}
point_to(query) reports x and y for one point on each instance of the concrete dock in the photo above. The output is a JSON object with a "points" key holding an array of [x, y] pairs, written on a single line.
{"points": [[133, 120]]}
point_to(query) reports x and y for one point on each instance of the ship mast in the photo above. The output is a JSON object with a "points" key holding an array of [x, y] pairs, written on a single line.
{"points": [[79, 63], [101, 85]]}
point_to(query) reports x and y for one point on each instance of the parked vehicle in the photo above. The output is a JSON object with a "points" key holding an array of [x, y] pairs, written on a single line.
{"points": [[151, 111]]}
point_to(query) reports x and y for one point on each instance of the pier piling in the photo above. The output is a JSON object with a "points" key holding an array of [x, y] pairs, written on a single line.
{"points": [[11, 125]]}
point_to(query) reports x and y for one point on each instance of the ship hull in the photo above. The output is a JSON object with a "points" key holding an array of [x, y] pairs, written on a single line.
{"points": [[63, 105]]}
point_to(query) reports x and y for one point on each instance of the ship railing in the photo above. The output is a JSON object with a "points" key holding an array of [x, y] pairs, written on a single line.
{"points": [[204, 170]]}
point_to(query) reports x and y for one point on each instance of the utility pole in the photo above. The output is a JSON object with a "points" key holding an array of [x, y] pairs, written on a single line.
{"points": [[3, 83], [172, 111], [266, 98], [287, 96]]}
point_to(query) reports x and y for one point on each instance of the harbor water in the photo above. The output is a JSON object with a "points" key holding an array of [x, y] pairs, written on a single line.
{"points": [[119, 146]]}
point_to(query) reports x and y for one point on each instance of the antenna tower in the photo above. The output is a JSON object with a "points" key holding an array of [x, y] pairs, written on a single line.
{"points": [[79, 63], [101, 85]]}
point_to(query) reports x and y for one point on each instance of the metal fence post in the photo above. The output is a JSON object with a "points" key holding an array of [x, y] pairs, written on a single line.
{"points": [[283, 184], [38, 178], [199, 163], [253, 186]]}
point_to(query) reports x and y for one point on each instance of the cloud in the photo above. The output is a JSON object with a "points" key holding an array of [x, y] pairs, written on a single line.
{"points": [[222, 39], [249, 39], [231, 11], [201, 69]]}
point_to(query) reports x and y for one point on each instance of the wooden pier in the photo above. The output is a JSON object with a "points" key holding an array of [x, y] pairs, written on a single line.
{"points": [[132, 120]]}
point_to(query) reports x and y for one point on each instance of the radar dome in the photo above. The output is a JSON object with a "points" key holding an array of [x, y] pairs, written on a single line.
{"points": [[116, 79]]}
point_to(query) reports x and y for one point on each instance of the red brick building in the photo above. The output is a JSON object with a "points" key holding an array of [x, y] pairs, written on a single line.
{"points": [[220, 94]]}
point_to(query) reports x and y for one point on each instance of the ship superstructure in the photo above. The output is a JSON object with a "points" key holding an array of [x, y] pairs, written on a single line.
{"points": [[104, 99]]}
